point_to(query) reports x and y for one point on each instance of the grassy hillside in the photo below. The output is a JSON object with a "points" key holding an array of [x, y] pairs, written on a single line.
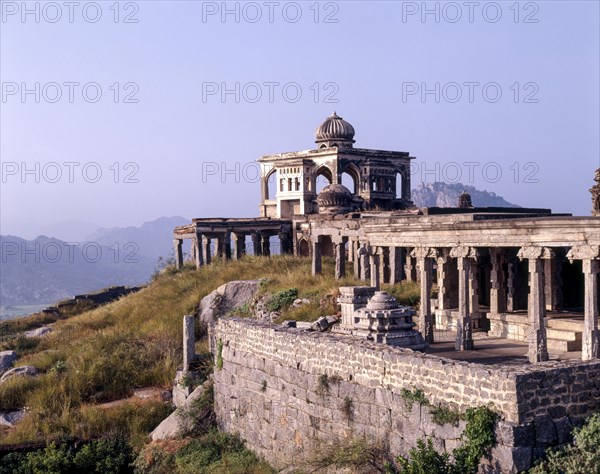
{"points": [[102, 355]]}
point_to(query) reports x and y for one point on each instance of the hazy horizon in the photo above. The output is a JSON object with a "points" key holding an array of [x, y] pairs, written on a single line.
{"points": [[190, 99]]}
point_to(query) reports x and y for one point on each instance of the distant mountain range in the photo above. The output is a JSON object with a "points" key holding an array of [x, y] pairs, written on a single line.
{"points": [[46, 269], [446, 195]]}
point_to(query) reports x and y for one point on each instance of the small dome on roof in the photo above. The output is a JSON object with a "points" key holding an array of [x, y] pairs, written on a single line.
{"points": [[334, 198], [335, 131]]}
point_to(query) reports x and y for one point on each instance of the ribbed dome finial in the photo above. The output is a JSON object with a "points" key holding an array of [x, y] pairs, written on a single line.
{"points": [[335, 132]]}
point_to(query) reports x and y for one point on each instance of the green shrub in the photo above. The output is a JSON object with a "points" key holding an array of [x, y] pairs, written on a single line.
{"points": [[412, 396], [424, 459], [477, 439], [282, 299], [442, 415], [218, 453], [581, 457], [102, 456]]}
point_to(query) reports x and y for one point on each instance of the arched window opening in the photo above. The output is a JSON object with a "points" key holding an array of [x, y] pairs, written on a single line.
{"points": [[322, 178], [271, 185], [399, 187]]}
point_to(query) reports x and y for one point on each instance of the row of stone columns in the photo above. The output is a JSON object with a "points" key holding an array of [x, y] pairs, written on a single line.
{"points": [[201, 252], [369, 262]]}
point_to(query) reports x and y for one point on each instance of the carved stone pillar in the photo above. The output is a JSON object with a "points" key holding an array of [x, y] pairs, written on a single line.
{"points": [[396, 265], [177, 247], [498, 286], [225, 246], [197, 250], [265, 244], [465, 257], [340, 259], [474, 290], [553, 283], [189, 342], [356, 263], [374, 260], [536, 303], [443, 278], [206, 249], [590, 256], [365, 265], [410, 269], [285, 243], [511, 284], [382, 251], [317, 265], [256, 244], [239, 245], [425, 258]]}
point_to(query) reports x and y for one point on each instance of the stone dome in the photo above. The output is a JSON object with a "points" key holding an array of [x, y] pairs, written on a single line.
{"points": [[382, 300], [335, 131], [334, 199]]}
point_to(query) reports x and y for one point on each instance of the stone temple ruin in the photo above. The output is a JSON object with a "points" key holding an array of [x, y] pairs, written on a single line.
{"points": [[524, 274], [526, 277]]}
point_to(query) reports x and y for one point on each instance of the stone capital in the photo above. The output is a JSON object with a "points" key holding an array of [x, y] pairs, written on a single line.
{"points": [[584, 252], [424, 252], [532, 252], [464, 252]]}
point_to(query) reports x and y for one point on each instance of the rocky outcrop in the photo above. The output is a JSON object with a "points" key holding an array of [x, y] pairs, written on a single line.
{"points": [[446, 195], [7, 359], [226, 298], [180, 421], [26, 370], [38, 332], [11, 418]]}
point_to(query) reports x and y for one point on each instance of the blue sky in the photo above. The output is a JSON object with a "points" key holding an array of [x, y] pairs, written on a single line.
{"points": [[166, 137]]}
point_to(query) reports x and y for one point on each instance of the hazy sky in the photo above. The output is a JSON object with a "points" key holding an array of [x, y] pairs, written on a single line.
{"points": [[513, 101]]}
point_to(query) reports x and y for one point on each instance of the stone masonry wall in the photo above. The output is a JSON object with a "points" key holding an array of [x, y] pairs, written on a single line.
{"points": [[270, 390]]}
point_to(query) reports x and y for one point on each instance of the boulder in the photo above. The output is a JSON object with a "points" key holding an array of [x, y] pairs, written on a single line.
{"points": [[38, 332], [226, 298], [300, 301], [11, 418], [6, 360], [176, 424], [26, 370]]}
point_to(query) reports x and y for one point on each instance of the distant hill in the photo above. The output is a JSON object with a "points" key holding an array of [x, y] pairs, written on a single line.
{"points": [[154, 238], [446, 195], [44, 270]]}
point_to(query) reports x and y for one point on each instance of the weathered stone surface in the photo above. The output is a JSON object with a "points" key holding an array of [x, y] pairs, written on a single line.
{"points": [[11, 418], [272, 388], [7, 359], [175, 425], [545, 432], [26, 370], [226, 298], [38, 332]]}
